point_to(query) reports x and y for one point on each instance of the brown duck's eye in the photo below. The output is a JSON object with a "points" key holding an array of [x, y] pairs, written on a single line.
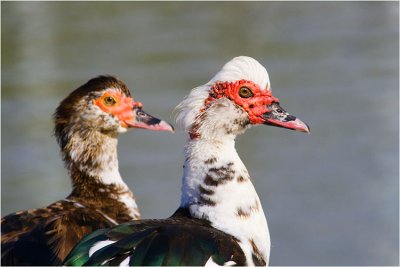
{"points": [[109, 101], [245, 92]]}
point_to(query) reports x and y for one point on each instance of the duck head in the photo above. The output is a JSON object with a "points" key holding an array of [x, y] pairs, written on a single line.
{"points": [[103, 105], [238, 96]]}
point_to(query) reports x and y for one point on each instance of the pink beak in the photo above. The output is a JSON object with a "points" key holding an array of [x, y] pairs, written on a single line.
{"points": [[147, 121], [277, 116], [295, 124]]}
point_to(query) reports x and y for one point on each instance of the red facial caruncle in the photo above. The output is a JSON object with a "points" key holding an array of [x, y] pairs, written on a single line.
{"points": [[115, 103], [246, 94], [129, 112], [260, 105]]}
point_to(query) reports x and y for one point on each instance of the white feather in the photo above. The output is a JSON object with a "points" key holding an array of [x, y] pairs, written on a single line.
{"points": [[246, 68], [99, 245], [190, 107], [211, 263], [125, 262]]}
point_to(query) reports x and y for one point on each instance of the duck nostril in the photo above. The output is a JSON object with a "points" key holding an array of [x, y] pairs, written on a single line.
{"points": [[290, 118], [251, 106]]}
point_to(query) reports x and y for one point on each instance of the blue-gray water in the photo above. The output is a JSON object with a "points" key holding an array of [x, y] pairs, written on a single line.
{"points": [[331, 198]]}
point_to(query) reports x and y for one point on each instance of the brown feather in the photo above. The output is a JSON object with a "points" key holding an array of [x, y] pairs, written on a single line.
{"points": [[52, 230]]}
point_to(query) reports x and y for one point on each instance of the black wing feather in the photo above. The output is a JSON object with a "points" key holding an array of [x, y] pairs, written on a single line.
{"points": [[179, 240]]}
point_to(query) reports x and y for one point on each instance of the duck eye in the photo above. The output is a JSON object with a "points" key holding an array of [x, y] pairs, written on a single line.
{"points": [[245, 92], [109, 101]]}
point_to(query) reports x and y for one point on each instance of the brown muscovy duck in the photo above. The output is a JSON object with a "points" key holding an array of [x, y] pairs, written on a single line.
{"points": [[87, 124]]}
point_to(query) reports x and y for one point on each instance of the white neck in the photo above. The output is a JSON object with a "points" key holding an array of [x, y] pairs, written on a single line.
{"points": [[217, 187], [95, 154]]}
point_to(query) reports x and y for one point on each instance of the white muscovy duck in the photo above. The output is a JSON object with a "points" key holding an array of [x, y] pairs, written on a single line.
{"points": [[220, 219], [87, 124]]}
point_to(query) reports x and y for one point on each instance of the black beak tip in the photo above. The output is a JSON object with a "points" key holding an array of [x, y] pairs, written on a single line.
{"points": [[172, 128]]}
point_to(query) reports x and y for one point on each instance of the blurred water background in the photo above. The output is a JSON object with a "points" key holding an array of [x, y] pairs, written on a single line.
{"points": [[331, 198]]}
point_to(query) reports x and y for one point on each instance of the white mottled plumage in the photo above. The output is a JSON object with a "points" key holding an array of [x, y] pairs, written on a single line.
{"points": [[237, 196], [229, 197]]}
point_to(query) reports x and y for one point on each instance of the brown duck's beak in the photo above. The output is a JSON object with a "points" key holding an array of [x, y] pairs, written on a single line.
{"points": [[277, 116], [146, 121]]}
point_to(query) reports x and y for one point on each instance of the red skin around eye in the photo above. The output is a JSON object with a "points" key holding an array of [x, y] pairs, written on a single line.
{"points": [[123, 108], [255, 106]]}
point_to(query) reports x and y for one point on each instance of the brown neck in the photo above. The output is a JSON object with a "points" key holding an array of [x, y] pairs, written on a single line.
{"points": [[106, 198], [96, 181]]}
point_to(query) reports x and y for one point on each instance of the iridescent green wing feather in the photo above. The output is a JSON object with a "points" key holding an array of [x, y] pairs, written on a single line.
{"points": [[79, 255], [177, 241]]}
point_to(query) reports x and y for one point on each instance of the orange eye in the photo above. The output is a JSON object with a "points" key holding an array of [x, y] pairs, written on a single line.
{"points": [[245, 92], [109, 101]]}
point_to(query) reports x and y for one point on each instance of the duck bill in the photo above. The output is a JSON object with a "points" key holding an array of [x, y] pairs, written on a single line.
{"points": [[296, 125], [146, 121], [284, 120]]}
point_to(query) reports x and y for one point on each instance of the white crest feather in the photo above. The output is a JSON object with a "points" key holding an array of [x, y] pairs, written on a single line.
{"points": [[190, 107], [238, 68], [246, 68]]}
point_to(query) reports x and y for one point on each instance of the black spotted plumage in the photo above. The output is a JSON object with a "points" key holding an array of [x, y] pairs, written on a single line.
{"points": [[178, 240]]}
